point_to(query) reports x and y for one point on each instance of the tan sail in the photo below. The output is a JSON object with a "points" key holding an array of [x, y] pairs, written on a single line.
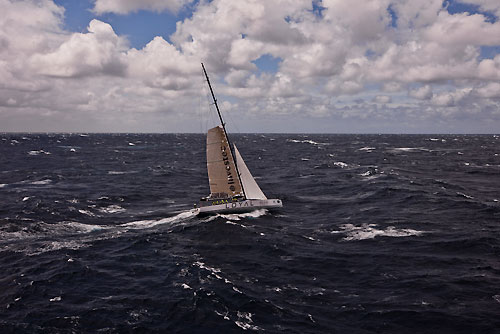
{"points": [[222, 174], [252, 189]]}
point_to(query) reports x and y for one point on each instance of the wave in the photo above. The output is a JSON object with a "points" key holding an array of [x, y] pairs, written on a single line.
{"points": [[239, 216], [409, 149], [112, 209], [307, 141], [42, 182], [370, 231], [145, 224], [86, 212], [38, 152], [341, 164], [113, 172]]}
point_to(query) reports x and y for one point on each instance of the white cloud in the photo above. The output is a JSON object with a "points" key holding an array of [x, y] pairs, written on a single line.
{"points": [[382, 99], [463, 29], [490, 90], [427, 64], [159, 64], [100, 51], [128, 6], [452, 98], [422, 93]]}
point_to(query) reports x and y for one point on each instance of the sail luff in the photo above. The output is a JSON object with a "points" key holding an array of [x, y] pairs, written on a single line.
{"points": [[224, 131], [252, 189]]}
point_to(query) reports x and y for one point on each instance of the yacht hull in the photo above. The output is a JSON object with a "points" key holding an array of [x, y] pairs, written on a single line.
{"points": [[247, 205]]}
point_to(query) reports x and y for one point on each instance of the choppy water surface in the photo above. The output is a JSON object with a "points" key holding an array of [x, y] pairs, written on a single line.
{"points": [[379, 234]]}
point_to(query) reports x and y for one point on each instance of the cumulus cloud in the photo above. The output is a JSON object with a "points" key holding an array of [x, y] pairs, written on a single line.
{"points": [[382, 99], [128, 6], [160, 64], [100, 51], [357, 59], [449, 99], [422, 93]]}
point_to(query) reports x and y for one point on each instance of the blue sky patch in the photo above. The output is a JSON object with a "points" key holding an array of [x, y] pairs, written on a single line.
{"points": [[139, 27], [489, 51], [317, 8], [268, 63], [456, 7], [394, 17]]}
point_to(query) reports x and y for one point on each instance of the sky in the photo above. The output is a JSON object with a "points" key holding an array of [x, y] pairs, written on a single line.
{"points": [[289, 66]]}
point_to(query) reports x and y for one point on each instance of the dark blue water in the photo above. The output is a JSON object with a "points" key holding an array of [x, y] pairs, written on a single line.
{"points": [[379, 234]]}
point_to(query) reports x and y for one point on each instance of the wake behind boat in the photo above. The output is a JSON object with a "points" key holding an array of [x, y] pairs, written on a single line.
{"points": [[232, 187]]}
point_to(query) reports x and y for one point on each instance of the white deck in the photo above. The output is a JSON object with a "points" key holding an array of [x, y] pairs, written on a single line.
{"points": [[241, 206]]}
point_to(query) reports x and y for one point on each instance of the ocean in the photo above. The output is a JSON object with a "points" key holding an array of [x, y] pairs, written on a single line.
{"points": [[378, 234]]}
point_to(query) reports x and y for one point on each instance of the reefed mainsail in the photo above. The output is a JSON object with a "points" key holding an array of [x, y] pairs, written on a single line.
{"points": [[252, 189], [222, 173]]}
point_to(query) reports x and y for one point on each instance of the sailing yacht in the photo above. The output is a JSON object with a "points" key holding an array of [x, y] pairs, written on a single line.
{"points": [[232, 187]]}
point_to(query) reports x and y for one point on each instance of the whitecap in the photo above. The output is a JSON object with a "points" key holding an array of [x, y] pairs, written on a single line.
{"points": [[369, 149], [38, 152], [3, 185], [245, 321], [25, 198], [131, 144], [224, 315], [464, 195], [55, 245], [86, 212], [203, 266], [55, 299], [307, 141], [251, 214], [408, 149], [86, 228], [113, 172], [112, 209], [340, 164], [42, 182], [142, 224], [369, 231]]}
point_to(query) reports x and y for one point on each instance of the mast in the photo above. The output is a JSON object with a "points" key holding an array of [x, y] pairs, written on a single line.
{"points": [[223, 128]]}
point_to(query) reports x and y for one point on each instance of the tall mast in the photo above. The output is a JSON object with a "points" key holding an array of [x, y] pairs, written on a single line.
{"points": [[223, 127]]}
